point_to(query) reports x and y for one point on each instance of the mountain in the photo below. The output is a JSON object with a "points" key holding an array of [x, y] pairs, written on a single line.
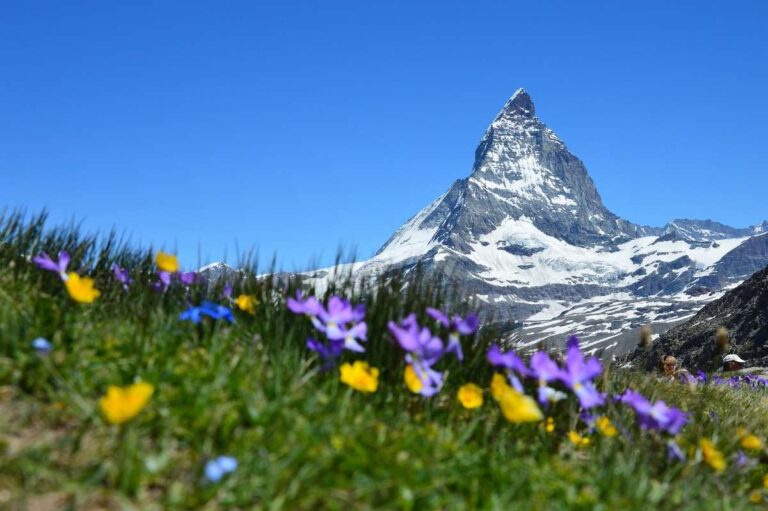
{"points": [[528, 236], [743, 311]]}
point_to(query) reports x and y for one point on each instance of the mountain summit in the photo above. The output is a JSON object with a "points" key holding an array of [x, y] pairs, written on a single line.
{"points": [[528, 236]]}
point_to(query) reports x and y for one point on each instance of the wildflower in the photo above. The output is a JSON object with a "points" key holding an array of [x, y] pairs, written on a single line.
{"points": [[765, 481], [579, 373], [247, 303], [167, 262], [311, 306], [605, 426], [81, 288], [712, 456], [546, 370], [360, 376], [549, 425], [210, 309], [674, 452], [424, 350], [517, 407], [498, 386], [509, 361], [163, 281], [122, 275], [226, 293], [577, 439], [45, 262], [470, 396], [188, 278], [456, 326], [218, 467], [658, 416], [42, 346], [755, 496], [412, 380], [751, 442], [328, 352], [122, 404]]}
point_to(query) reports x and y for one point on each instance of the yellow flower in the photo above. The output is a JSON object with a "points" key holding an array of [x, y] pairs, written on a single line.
{"points": [[471, 396], [751, 442], [412, 380], [81, 288], [712, 456], [549, 427], [765, 481], [359, 376], [122, 404], [578, 440], [247, 303], [498, 385], [756, 496], [167, 262], [605, 427], [518, 407]]}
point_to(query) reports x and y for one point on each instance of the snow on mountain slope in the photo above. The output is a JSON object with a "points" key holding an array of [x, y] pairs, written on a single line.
{"points": [[528, 236]]}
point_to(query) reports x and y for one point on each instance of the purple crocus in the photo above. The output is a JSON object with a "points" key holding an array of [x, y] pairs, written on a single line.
{"points": [[657, 416], [162, 282], [579, 373], [210, 309], [456, 326], [226, 293], [510, 362], [674, 452], [546, 370], [328, 352], [423, 351], [187, 278], [122, 275], [45, 262], [309, 306]]}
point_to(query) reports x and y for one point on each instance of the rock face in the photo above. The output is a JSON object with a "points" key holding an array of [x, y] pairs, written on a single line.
{"points": [[743, 311], [528, 236]]}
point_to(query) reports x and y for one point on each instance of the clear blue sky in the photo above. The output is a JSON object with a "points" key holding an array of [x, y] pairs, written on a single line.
{"points": [[299, 126]]}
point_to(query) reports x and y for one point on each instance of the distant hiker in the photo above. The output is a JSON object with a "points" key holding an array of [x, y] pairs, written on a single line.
{"points": [[733, 362]]}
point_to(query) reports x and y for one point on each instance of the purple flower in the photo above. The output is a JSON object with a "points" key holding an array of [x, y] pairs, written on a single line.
{"points": [[351, 335], [331, 319], [122, 275], [210, 309], [226, 293], [657, 416], [511, 363], [328, 352], [579, 373], [45, 262], [456, 326], [42, 346], [163, 281], [217, 468], [423, 351], [418, 342], [674, 452], [311, 306], [546, 370], [188, 278]]}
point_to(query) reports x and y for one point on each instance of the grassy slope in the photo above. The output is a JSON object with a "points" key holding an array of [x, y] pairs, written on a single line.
{"points": [[303, 440]]}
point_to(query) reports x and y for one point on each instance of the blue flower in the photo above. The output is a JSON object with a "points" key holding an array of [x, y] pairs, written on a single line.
{"points": [[217, 468], [210, 309], [42, 346]]}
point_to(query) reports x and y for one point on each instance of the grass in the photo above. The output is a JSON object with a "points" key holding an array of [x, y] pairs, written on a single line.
{"points": [[302, 439]]}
